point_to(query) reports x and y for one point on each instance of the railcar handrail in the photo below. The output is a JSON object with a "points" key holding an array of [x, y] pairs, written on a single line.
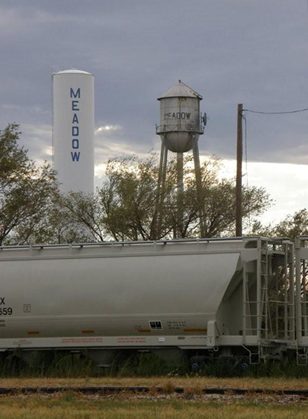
{"points": [[140, 243], [144, 242]]}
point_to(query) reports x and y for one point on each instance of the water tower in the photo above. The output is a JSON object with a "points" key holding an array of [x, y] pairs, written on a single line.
{"points": [[73, 130], [181, 124]]}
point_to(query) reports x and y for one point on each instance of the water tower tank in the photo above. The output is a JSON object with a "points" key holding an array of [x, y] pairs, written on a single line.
{"points": [[180, 119], [73, 130]]}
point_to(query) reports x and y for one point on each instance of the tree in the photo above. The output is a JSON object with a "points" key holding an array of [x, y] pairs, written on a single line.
{"points": [[293, 225], [259, 229], [57, 226], [128, 199], [26, 191], [85, 215], [32, 210], [124, 208]]}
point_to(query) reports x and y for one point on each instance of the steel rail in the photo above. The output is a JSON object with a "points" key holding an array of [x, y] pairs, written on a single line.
{"points": [[110, 390]]}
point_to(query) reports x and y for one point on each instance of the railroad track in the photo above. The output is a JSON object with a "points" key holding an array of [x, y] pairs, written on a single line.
{"points": [[113, 390]]}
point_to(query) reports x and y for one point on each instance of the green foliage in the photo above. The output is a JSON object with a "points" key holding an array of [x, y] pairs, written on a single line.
{"points": [[128, 199], [258, 229], [26, 191], [70, 365], [31, 207], [135, 364], [14, 162], [293, 225], [45, 364], [125, 208], [148, 364], [66, 364], [130, 193], [233, 367], [285, 368], [84, 214]]}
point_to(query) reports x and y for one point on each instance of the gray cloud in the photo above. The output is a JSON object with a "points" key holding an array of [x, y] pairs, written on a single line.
{"points": [[254, 52]]}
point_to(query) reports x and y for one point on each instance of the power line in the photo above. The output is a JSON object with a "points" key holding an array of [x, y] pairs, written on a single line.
{"points": [[276, 113]]}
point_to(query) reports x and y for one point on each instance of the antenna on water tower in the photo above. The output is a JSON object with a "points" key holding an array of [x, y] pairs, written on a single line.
{"points": [[180, 126]]}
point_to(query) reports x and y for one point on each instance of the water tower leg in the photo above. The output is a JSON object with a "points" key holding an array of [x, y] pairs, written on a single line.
{"points": [[180, 190], [161, 163], [160, 192], [199, 189], [164, 173]]}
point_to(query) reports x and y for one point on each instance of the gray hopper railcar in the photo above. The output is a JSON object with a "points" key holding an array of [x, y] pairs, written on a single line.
{"points": [[223, 296]]}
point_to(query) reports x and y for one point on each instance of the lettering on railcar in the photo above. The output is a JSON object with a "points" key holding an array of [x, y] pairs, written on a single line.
{"points": [[176, 324], [27, 308], [4, 309]]}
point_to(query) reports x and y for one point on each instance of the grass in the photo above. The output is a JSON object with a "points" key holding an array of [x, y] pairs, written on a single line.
{"points": [[190, 405], [52, 370], [75, 406], [133, 364], [196, 383], [66, 364]]}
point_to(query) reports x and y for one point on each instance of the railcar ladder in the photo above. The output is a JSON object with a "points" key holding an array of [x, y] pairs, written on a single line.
{"points": [[278, 314], [255, 300], [264, 300]]}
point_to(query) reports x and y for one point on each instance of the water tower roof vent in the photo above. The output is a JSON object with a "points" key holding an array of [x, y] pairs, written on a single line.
{"points": [[180, 90]]}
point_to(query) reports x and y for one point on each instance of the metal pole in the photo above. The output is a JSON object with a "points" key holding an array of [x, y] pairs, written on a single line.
{"points": [[180, 190], [199, 188], [160, 191], [239, 159], [164, 154]]}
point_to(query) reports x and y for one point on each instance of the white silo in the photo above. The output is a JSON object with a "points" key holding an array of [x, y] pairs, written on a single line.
{"points": [[181, 123], [73, 130]]}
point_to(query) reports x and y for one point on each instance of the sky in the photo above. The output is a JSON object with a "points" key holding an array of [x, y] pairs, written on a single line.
{"points": [[253, 52]]}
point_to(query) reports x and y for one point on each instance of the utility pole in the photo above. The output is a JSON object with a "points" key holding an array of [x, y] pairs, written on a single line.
{"points": [[239, 159]]}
